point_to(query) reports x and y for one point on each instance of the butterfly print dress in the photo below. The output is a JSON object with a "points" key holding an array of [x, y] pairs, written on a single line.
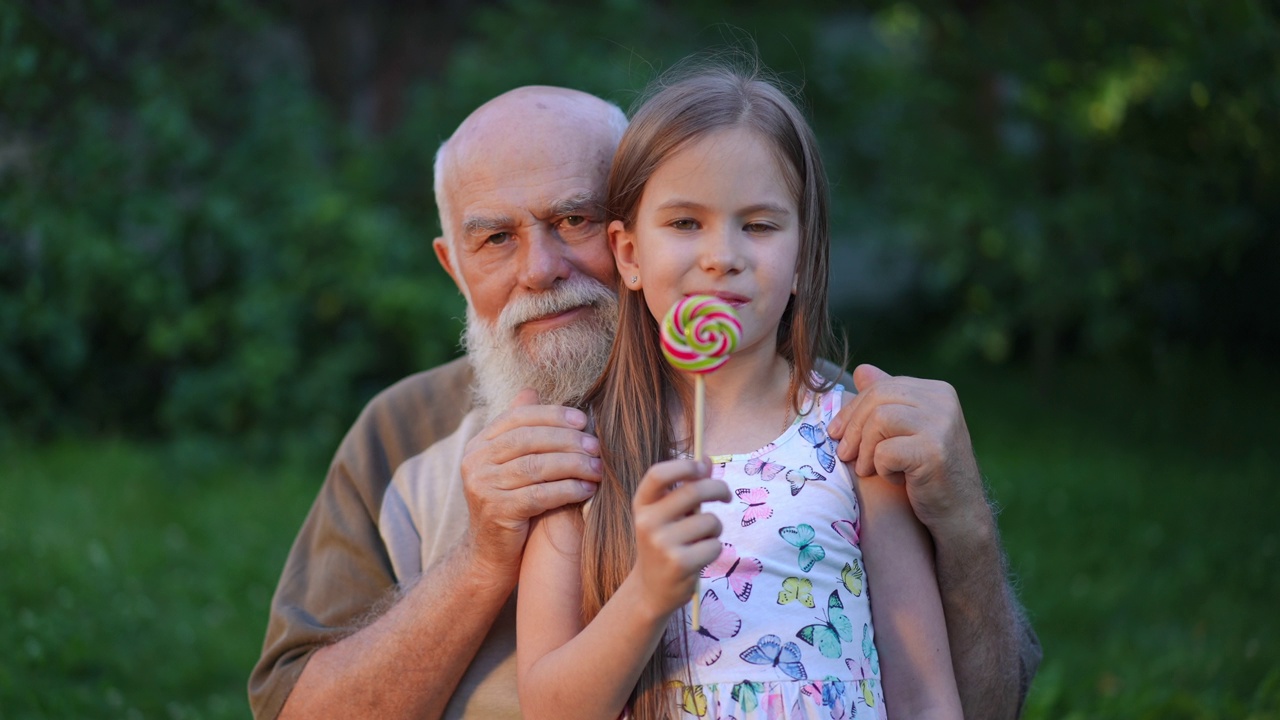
{"points": [[786, 620]]}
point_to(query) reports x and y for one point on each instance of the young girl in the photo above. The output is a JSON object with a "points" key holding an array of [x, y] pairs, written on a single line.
{"points": [[717, 189]]}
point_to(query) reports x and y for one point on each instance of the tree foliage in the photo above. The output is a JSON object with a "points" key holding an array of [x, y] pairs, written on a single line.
{"points": [[215, 216]]}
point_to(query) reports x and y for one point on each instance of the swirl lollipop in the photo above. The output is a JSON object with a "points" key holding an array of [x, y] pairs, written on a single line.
{"points": [[698, 333]]}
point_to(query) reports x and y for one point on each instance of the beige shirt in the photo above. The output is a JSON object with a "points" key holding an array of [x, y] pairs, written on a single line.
{"points": [[392, 499]]}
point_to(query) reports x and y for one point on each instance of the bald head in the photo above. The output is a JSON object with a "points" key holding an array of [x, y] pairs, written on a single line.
{"points": [[531, 127]]}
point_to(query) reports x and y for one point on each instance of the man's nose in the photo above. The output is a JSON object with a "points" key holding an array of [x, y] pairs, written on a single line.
{"points": [[543, 261]]}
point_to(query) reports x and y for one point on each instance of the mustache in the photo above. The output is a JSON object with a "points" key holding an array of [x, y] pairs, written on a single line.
{"points": [[577, 291]]}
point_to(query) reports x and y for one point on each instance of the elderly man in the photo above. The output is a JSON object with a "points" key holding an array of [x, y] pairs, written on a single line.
{"points": [[397, 599]]}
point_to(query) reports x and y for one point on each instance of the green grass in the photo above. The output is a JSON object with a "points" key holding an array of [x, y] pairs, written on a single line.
{"points": [[135, 580], [1140, 518], [1139, 515]]}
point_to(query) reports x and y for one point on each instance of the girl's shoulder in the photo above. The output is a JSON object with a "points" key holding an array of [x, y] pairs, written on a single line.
{"points": [[821, 406]]}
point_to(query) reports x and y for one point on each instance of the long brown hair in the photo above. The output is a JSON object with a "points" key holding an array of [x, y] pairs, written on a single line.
{"points": [[631, 401]]}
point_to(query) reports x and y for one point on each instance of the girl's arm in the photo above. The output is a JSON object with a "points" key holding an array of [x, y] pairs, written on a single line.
{"points": [[906, 608], [566, 670]]}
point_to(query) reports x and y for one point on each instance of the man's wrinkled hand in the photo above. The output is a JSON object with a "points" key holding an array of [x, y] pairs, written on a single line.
{"points": [[530, 459], [912, 430]]}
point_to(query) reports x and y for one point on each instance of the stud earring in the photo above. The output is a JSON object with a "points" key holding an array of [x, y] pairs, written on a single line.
{"points": [[635, 279]]}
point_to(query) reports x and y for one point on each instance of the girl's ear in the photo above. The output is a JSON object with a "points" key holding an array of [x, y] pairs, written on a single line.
{"points": [[623, 244]]}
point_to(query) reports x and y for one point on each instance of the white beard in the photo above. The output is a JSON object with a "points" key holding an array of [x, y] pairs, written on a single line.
{"points": [[561, 364]]}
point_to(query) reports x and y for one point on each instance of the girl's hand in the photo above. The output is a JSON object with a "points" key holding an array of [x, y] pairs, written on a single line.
{"points": [[674, 539]]}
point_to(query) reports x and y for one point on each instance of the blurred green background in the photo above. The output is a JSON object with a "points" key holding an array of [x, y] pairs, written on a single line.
{"points": [[214, 248]]}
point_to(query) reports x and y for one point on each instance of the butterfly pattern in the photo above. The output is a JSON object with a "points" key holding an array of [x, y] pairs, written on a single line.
{"points": [[823, 446], [738, 572], [717, 623], [831, 631], [782, 603], [850, 530], [867, 670], [755, 499], [773, 652], [801, 537], [828, 694], [760, 465], [851, 576], [692, 698], [796, 589], [797, 478]]}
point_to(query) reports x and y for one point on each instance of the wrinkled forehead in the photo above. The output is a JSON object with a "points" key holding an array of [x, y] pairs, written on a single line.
{"points": [[528, 155]]}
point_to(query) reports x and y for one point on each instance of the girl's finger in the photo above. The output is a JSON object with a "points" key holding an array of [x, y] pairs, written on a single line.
{"points": [[687, 498], [662, 476]]}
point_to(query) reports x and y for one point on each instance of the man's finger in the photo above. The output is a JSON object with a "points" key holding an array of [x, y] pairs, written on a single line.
{"points": [[535, 500], [865, 375], [537, 440], [548, 467], [847, 434], [895, 458], [880, 424], [535, 416]]}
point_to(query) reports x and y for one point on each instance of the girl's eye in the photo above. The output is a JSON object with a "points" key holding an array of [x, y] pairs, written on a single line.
{"points": [[758, 227], [685, 224]]}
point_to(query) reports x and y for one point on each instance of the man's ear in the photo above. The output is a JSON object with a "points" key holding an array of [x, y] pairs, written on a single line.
{"points": [[443, 254], [623, 244]]}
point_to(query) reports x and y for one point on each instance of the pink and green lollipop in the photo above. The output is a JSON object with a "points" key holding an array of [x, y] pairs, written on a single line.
{"points": [[698, 333]]}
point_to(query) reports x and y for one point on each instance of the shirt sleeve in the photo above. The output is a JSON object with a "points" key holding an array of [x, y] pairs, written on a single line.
{"points": [[339, 569], [336, 571]]}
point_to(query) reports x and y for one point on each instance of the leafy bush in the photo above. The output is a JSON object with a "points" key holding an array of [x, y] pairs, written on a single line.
{"points": [[197, 236], [1098, 178], [194, 246]]}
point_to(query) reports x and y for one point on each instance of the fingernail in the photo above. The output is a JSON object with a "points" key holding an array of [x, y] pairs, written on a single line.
{"points": [[588, 488], [575, 417], [591, 444], [596, 465]]}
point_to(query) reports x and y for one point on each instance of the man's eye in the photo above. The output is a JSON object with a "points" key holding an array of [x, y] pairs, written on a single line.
{"points": [[498, 239], [574, 221]]}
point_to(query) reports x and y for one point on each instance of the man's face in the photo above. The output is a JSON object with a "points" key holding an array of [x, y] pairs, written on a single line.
{"points": [[524, 222], [525, 218]]}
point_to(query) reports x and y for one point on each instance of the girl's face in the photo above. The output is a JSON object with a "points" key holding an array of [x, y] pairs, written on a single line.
{"points": [[716, 218]]}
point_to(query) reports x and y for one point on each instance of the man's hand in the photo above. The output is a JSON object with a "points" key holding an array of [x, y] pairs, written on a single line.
{"points": [[530, 459], [912, 430]]}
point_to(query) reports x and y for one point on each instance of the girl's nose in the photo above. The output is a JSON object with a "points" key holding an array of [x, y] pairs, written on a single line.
{"points": [[722, 251]]}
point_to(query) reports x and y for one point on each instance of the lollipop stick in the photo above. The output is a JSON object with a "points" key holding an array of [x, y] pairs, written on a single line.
{"points": [[699, 413], [698, 333], [699, 410]]}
